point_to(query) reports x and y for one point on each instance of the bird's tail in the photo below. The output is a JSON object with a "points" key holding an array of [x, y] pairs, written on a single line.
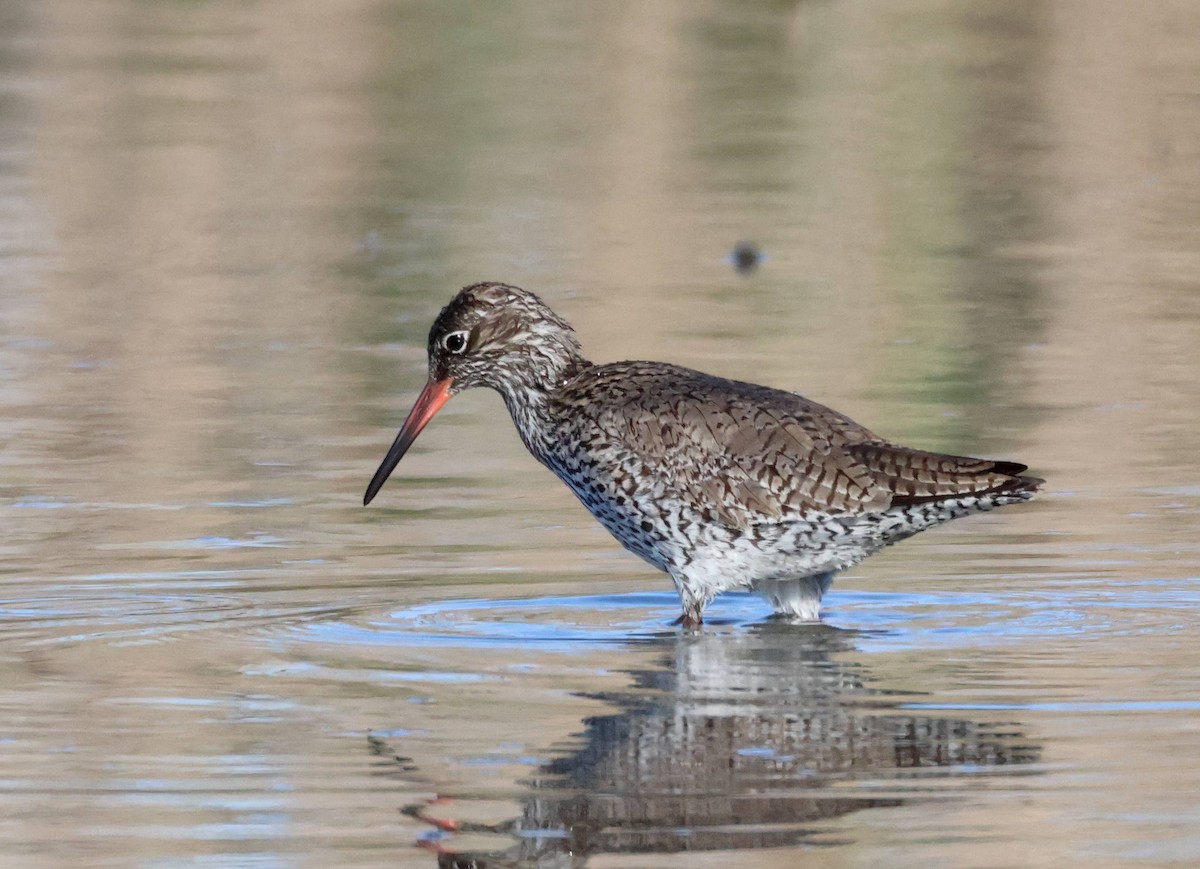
{"points": [[918, 477]]}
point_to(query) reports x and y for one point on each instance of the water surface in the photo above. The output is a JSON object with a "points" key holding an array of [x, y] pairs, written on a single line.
{"points": [[223, 234]]}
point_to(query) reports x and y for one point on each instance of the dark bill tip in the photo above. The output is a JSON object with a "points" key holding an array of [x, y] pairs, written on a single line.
{"points": [[432, 397]]}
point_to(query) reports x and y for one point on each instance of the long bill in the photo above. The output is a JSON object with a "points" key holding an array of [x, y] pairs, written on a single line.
{"points": [[432, 397]]}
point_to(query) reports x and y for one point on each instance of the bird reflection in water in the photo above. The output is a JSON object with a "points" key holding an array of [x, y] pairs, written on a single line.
{"points": [[737, 742]]}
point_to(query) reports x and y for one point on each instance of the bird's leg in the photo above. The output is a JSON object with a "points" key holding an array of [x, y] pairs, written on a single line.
{"points": [[691, 598], [693, 610]]}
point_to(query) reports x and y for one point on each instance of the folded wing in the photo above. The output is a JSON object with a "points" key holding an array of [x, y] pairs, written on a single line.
{"points": [[748, 454]]}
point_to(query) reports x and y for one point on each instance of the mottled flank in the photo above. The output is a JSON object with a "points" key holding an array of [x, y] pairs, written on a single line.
{"points": [[721, 484]]}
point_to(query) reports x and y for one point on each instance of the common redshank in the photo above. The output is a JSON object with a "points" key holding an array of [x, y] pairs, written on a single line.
{"points": [[721, 484]]}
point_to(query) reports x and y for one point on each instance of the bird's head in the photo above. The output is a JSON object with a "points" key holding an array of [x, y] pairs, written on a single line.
{"points": [[492, 335]]}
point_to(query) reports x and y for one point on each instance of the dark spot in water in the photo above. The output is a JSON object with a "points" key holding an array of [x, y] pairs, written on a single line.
{"points": [[745, 257]]}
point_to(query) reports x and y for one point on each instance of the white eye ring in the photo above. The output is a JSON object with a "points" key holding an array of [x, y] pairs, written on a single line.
{"points": [[456, 342]]}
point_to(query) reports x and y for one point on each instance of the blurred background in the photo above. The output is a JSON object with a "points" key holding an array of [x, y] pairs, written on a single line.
{"points": [[225, 228]]}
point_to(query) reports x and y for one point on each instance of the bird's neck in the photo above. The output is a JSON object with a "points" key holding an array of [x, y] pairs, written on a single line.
{"points": [[530, 402]]}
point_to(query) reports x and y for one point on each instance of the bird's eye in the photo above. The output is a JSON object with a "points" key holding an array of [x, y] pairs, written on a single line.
{"points": [[455, 342]]}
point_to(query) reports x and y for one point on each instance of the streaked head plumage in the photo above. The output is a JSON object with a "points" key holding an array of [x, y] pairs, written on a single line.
{"points": [[492, 334]]}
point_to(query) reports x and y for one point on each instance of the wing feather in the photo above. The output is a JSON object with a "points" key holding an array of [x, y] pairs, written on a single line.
{"points": [[915, 476], [743, 454]]}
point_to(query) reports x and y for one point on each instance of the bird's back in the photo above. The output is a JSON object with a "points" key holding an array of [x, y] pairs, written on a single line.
{"points": [[748, 454]]}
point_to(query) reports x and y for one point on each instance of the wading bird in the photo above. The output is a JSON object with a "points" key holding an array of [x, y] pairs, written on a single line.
{"points": [[721, 484]]}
